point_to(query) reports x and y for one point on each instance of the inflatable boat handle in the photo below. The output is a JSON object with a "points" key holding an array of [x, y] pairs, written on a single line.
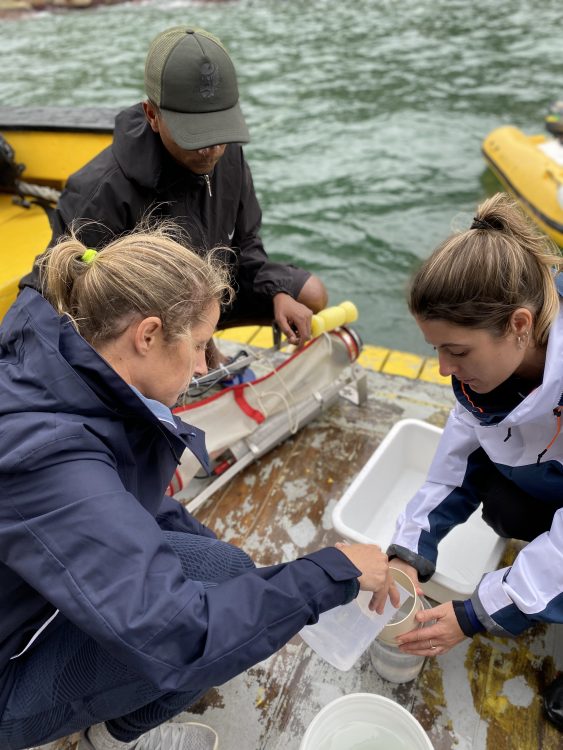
{"points": [[333, 317]]}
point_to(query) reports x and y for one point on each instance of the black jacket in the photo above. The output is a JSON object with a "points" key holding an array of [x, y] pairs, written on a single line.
{"points": [[136, 177]]}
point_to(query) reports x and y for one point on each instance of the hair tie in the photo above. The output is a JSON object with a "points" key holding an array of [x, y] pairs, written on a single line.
{"points": [[493, 223], [89, 255], [480, 224]]}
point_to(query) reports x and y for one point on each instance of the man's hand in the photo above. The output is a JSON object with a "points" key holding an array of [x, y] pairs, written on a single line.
{"points": [[293, 318], [375, 573]]}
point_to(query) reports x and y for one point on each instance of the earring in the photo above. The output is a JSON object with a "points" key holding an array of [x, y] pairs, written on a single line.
{"points": [[522, 340]]}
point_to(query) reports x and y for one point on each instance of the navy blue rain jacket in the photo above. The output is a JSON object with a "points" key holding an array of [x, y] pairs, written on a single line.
{"points": [[84, 465]]}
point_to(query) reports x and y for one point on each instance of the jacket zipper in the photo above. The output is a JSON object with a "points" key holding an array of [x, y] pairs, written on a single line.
{"points": [[557, 415], [208, 183]]}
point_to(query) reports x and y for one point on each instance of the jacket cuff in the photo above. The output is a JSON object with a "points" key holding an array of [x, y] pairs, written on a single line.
{"points": [[425, 568], [352, 589], [467, 619], [335, 564], [338, 567], [281, 290], [495, 609]]}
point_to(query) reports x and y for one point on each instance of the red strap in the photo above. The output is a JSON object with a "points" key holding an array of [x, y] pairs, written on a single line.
{"points": [[244, 406]]}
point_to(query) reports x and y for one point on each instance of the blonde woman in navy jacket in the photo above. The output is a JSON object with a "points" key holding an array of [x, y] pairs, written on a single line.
{"points": [[118, 608], [487, 301]]}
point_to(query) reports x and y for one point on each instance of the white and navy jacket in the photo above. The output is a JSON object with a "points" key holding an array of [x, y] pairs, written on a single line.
{"points": [[525, 445]]}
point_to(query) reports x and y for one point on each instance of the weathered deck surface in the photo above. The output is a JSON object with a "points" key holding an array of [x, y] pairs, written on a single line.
{"points": [[483, 694]]}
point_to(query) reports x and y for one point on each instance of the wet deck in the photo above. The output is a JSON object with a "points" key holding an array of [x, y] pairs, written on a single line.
{"points": [[483, 694]]}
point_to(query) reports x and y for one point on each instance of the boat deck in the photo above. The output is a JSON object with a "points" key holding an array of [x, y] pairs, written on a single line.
{"points": [[484, 694]]}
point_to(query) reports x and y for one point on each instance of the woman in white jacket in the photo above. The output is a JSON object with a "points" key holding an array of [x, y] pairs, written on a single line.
{"points": [[487, 301]]}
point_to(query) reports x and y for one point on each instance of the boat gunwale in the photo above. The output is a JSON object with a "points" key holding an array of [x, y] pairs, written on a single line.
{"points": [[58, 119]]}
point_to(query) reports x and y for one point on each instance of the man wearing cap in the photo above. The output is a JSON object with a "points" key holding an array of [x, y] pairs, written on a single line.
{"points": [[178, 156]]}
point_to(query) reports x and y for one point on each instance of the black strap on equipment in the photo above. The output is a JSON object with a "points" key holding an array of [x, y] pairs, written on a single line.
{"points": [[10, 171]]}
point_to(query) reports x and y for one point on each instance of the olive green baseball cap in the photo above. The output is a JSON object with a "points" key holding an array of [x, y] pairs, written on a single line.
{"points": [[191, 78]]}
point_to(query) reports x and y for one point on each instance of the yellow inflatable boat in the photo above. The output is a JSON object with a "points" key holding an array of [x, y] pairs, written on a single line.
{"points": [[531, 168], [39, 149]]}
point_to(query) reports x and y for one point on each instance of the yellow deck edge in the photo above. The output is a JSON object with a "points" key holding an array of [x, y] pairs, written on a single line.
{"points": [[376, 358]]}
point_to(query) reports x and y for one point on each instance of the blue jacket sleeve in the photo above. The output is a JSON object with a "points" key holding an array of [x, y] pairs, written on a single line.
{"points": [[174, 517], [87, 546]]}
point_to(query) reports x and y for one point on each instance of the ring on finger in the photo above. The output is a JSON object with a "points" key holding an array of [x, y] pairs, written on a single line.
{"points": [[432, 646]]}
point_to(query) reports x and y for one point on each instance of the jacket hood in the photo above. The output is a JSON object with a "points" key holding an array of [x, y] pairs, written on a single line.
{"points": [[47, 368]]}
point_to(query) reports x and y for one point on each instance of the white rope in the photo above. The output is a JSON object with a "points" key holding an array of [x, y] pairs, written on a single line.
{"points": [[38, 191], [224, 369], [289, 402], [291, 417]]}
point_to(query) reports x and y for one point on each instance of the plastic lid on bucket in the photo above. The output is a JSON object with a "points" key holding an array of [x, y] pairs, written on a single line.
{"points": [[362, 717]]}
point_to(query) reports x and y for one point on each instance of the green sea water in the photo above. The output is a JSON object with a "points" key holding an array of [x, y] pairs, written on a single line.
{"points": [[366, 117]]}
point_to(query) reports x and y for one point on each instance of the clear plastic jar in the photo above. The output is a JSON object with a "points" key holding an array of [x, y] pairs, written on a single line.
{"points": [[393, 664]]}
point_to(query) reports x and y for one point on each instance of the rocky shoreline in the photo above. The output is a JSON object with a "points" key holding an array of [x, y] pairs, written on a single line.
{"points": [[24, 6]]}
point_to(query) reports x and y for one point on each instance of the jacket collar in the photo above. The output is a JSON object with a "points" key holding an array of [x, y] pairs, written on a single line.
{"points": [[509, 401], [156, 170]]}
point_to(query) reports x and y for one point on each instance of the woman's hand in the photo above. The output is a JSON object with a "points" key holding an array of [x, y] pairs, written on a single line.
{"points": [[412, 572], [435, 639], [375, 573]]}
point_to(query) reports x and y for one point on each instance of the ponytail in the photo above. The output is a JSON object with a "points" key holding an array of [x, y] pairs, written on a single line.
{"points": [[143, 273], [479, 277]]}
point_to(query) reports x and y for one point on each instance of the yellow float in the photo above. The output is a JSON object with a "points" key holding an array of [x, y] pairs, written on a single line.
{"points": [[531, 168]]}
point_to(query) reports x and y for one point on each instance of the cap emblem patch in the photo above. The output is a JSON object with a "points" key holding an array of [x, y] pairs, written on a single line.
{"points": [[209, 79]]}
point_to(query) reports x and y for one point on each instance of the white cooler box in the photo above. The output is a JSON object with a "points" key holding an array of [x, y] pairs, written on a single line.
{"points": [[369, 508]]}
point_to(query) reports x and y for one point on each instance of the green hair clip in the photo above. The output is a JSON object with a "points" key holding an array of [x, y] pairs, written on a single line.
{"points": [[89, 255]]}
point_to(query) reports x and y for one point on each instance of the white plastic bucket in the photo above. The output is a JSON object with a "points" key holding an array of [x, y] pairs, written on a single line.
{"points": [[364, 720]]}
